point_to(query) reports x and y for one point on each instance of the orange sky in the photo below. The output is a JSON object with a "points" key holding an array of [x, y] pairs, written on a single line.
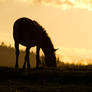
{"points": [[68, 22]]}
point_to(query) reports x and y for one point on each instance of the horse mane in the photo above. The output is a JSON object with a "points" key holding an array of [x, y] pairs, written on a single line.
{"points": [[39, 27], [44, 34]]}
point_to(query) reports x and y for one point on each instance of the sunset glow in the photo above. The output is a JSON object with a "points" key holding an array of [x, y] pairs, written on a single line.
{"points": [[68, 23], [65, 4]]}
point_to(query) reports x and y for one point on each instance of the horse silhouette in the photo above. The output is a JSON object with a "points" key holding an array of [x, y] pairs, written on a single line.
{"points": [[30, 33]]}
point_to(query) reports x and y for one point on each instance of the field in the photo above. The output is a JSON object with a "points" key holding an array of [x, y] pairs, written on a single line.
{"points": [[66, 78], [45, 80]]}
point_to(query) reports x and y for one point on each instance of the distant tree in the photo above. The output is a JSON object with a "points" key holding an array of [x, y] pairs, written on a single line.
{"points": [[2, 44], [10, 46]]}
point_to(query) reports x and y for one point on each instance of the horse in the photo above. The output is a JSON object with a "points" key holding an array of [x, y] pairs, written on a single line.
{"points": [[30, 33]]}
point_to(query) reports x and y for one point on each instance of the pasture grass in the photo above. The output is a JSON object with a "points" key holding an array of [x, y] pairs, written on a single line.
{"points": [[46, 80]]}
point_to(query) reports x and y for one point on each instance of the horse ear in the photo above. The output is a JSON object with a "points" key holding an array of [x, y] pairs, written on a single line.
{"points": [[56, 49]]}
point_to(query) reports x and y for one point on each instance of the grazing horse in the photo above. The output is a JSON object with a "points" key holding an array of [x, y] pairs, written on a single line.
{"points": [[30, 33]]}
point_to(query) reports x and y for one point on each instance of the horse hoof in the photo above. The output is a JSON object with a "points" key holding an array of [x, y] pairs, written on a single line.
{"points": [[28, 68], [23, 67], [16, 67], [37, 67]]}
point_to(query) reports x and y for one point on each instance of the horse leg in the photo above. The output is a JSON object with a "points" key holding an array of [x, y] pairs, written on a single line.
{"points": [[27, 59], [37, 57], [17, 54]]}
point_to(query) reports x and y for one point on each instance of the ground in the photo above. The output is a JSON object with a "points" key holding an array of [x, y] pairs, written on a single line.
{"points": [[45, 80]]}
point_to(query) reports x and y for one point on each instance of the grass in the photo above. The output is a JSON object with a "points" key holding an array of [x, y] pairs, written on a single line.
{"points": [[45, 80], [65, 78]]}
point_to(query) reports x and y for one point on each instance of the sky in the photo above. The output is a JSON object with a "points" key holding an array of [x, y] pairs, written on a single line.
{"points": [[68, 22]]}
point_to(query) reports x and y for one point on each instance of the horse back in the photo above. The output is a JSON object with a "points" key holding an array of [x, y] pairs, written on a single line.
{"points": [[24, 31]]}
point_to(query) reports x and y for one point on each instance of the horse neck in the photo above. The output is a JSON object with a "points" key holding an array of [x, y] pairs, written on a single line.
{"points": [[50, 58], [48, 47]]}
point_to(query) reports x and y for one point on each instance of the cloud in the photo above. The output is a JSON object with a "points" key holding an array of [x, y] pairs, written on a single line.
{"points": [[87, 4], [53, 2], [65, 4]]}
